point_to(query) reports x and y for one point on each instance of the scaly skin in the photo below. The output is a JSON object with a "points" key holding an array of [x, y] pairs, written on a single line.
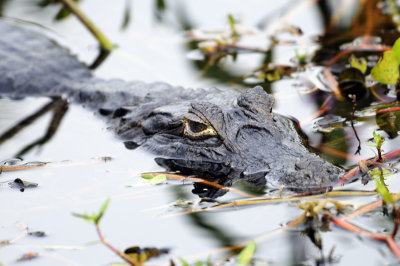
{"points": [[222, 136]]}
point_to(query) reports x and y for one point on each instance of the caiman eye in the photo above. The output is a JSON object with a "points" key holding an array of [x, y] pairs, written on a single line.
{"points": [[196, 130]]}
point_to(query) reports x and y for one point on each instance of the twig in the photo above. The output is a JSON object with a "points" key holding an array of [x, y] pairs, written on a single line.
{"points": [[354, 100], [277, 200], [203, 181]]}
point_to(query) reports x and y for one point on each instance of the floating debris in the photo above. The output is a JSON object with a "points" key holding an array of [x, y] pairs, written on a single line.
{"points": [[22, 184]]}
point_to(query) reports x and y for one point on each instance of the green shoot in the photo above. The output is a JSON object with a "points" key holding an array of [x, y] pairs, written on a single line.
{"points": [[231, 21], [95, 217], [378, 175], [378, 144]]}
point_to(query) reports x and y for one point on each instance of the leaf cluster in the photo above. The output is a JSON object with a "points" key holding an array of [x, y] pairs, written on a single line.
{"points": [[94, 218]]}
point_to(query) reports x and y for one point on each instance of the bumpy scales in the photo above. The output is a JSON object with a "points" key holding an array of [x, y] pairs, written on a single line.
{"points": [[223, 136]]}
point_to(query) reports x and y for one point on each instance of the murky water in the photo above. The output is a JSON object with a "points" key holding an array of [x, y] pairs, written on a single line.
{"points": [[141, 214]]}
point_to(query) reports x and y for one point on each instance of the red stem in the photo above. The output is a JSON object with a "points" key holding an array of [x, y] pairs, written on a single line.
{"points": [[390, 109], [115, 250], [388, 239]]}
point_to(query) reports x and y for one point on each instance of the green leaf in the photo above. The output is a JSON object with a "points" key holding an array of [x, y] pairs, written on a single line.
{"points": [[301, 56], [158, 179], [396, 48], [273, 76], [183, 261], [384, 192], [85, 216], [359, 63], [161, 5], [371, 144], [231, 21], [101, 211], [378, 139], [386, 71], [62, 14], [147, 176], [127, 14], [245, 256]]}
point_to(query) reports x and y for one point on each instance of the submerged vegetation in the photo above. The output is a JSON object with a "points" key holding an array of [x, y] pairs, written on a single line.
{"points": [[350, 72]]}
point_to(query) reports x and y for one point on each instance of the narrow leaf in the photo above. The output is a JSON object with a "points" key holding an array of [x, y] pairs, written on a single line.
{"points": [[127, 14], [102, 210], [371, 144], [231, 21], [246, 255], [85, 216]]}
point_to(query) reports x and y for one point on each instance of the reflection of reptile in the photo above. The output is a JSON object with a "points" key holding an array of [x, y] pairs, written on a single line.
{"points": [[223, 136]]}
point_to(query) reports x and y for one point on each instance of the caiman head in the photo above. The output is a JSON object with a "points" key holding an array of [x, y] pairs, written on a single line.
{"points": [[230, 139]]}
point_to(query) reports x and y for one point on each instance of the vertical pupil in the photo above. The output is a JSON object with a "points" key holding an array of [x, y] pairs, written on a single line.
{"points": [[196, 127]]}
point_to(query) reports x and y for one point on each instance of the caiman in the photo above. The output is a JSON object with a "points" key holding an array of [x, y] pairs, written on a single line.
{"points": [[224, 136]]}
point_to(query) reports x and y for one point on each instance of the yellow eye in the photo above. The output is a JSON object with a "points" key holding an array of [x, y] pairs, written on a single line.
{"points": [[196, 130]]}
